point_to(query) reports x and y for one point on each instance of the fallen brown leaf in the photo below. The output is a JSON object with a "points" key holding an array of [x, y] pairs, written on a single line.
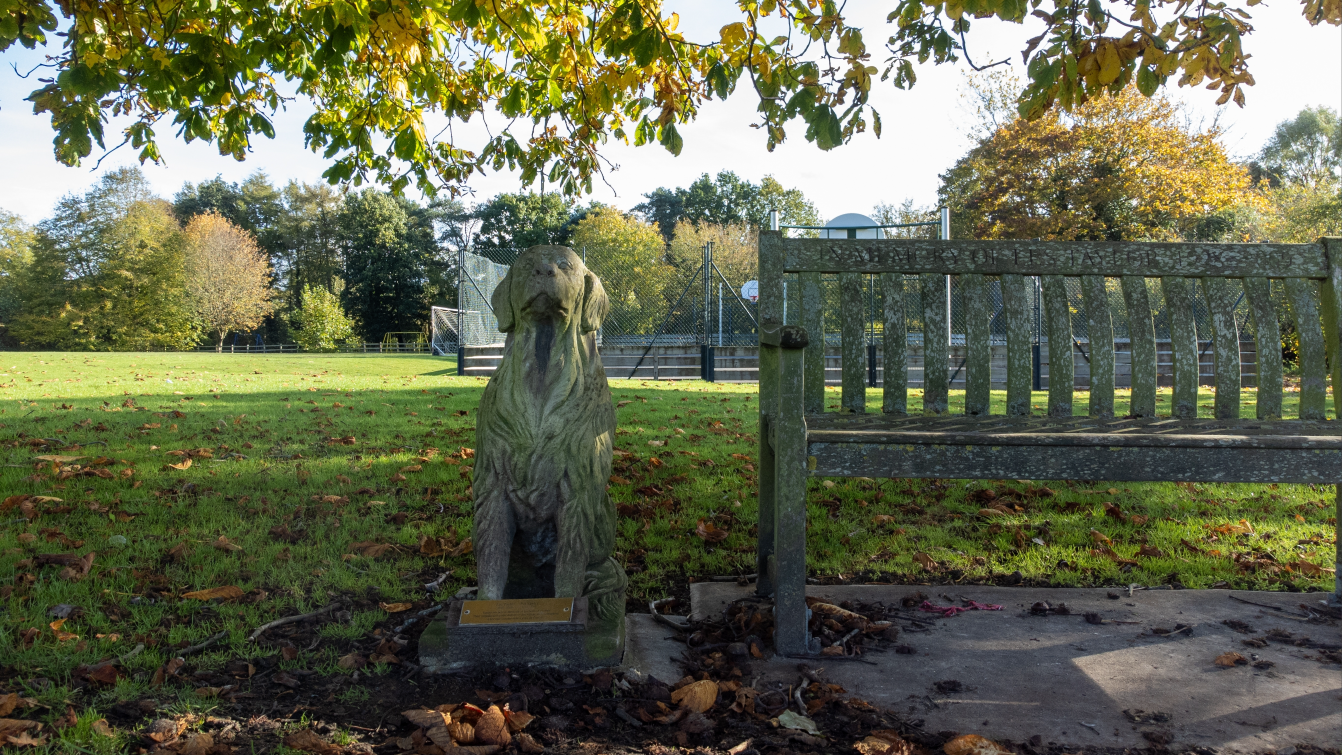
{"points": [[698, 697], [925, 561], [394, 607], [709, 533], [199, 743], [227, 592], [1230, 660], [492, 729], [308, 741], [973, 744], [223, 544]]}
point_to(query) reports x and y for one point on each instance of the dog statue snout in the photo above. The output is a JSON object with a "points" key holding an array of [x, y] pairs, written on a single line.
{"points": [[547, 269]]}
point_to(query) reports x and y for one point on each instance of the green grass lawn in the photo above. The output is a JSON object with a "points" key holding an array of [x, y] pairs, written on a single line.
{"points": [[314, 477]]}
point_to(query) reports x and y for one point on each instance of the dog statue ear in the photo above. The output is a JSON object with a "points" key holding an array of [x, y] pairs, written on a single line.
{"points": [[595, 303], [501, 301]]}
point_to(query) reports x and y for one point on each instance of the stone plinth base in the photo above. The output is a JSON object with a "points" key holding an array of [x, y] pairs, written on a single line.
{"points": [[580, 643]]}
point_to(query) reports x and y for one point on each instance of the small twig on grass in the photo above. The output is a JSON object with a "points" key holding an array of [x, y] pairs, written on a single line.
{"points": [[208, 642], [661, 619], [846, 638], [291, 620], [418, 616], [138, 649], [801, 706]]}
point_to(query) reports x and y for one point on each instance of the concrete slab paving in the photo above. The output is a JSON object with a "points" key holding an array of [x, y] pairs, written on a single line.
{"points": [[1069, 681]]}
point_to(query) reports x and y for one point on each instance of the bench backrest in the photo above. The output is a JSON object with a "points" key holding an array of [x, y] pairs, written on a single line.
{"points": [[1312, 276]]}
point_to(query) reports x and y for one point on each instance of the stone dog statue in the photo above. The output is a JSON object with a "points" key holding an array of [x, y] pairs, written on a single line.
{"points": [[544, 526]]}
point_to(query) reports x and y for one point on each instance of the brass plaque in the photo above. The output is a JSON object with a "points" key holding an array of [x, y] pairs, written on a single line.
{"points": [[530, 611]]}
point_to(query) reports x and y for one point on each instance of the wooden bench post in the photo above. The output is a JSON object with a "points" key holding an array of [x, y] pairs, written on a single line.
{"points": [[791, 636], [770, 325], [1332, 323]]}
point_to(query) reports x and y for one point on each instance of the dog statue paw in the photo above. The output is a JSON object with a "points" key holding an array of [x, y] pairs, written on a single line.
{"points": [[544, 526]]}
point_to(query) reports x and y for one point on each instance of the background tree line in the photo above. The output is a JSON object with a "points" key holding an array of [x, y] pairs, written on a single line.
{"points": [[120, 268]]}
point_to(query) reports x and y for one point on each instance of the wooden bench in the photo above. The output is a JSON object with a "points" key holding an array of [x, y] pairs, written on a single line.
{"points": [[798, 439]]}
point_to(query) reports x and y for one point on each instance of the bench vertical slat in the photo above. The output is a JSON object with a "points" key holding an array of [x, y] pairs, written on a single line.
{"points": [[771, 320], [1184, 344], [1220, 295], [1142, 338], [895, 346], [813, 319], [790, 632], [1061, 368], [851, 320], [936, 344], [1313, 365], [978, 355], [1267, 334], [1332, 325], [1100, 331], [1016, 308]]}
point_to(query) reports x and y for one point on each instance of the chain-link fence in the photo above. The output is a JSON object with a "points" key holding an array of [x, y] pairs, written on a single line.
{"points": [[651, 302]]}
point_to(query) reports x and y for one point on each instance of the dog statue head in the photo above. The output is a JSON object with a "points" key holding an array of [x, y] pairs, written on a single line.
{"points": [[549, 292], [550, 284]]}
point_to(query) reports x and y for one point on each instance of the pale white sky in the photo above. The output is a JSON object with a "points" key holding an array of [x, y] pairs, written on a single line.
{"points": [[1295, 65]]}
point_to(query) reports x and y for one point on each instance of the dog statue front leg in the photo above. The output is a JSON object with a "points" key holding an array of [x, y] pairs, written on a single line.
{"points": [[574, 528], [495, 527]]}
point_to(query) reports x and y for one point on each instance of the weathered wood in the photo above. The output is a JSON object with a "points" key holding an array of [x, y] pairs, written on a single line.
{"points": [[1016, 312], [1022, 257], [1061, 367], [852, 307], [1332, 324], [1267, 335], [936, 344], [813, 319], [895, 344], [768, 500], [1184, 344], [1220, 296], [789, 566], [1100, 331], [1304, 304], [1142, 336], [978, 354], [1134, 464], [770, 327], [1075, 431]]}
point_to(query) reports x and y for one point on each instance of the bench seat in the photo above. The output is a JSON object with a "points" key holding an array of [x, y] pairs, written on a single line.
{"points": [[1049, 448]]}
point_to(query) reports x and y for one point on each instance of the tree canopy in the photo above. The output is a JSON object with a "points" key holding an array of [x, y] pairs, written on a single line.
{"points": [[1120, 167], [1307, 149], [726, 199], [566, 77]]}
